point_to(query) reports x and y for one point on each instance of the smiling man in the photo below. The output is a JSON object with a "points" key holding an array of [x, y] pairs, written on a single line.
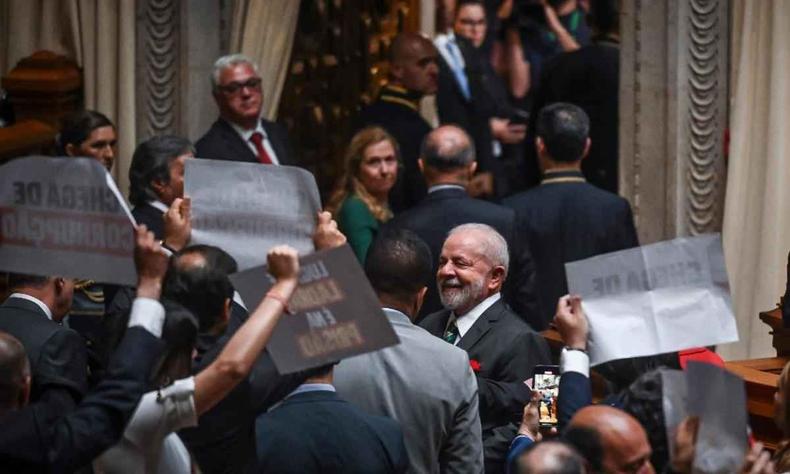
{"points": [[240, 134], [503, 350]]}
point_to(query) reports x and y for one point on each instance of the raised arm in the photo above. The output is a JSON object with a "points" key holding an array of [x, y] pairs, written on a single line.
{"points": [[235, 361]]}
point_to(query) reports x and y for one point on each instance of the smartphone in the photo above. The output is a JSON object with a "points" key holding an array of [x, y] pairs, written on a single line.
{"points": [[546, 381], [519, 117]]}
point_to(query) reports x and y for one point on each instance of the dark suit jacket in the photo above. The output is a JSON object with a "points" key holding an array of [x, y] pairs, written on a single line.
{"points": [[568, 221], [58, 356], [444, 209], [507, 351], [590, 78], [152, 217], [318, 432], [43, 438], [224, 440], [407, 126], [221, 142]]}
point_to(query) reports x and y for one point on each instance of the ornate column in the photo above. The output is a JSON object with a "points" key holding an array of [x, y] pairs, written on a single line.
{"points": [[673, 114], [177, 44]]}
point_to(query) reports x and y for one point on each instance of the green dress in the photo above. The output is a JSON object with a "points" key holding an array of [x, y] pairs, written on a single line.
{"points": [[358, 224]]}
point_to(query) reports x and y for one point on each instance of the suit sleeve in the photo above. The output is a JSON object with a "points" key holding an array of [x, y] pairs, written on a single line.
{"points": [[462, 451], [520, 444], [67, 442], [505, 400], [574, 394], [62, 368]]}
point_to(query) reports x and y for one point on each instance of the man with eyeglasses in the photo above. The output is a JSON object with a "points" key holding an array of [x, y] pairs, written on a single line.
{"points": [[240, 134]]}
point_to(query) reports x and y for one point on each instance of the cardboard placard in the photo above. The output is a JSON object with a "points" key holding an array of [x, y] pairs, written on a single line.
{"points": [[247, 208], [336, 314], [65, 217]]}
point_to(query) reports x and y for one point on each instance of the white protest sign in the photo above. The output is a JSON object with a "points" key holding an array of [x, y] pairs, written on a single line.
{"points": [[247, 208], [654, 299], [65, 217]]}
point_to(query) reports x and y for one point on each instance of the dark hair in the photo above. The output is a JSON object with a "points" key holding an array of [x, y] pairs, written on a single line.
{"points": [[200, 289], [644, 401], [399, 263], [179, 332], [151, 162], [621, 373], [562, 460], [18, 280], [462, 3], [215, 257], [587, 442], [564, 129], [605, 15], [13, 368], [443, 156], [76, 127]]}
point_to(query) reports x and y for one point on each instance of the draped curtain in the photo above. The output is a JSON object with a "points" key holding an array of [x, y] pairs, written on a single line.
{"points": [[100, 35], [757, 208], [264, 30]]}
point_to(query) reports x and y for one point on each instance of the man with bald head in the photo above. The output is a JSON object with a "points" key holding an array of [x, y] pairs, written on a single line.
{"points": [[611, 440], [413, 73], [550, 457], [447, 160], [503, 350]]}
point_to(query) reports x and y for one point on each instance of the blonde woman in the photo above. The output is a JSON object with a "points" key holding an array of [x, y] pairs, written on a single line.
{"points": [[360, 201]]}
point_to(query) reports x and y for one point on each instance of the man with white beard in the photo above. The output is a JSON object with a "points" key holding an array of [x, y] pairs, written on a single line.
{"points": [[503, 350]]}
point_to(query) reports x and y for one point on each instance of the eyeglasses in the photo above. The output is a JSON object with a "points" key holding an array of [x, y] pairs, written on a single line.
{"points": [[470, 22], [234, 87]]}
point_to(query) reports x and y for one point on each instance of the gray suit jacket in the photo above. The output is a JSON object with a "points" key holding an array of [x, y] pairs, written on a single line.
{"points": [[428, 386]]}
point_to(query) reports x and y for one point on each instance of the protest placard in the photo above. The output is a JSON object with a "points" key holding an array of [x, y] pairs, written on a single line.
{"points": [[64, 217], [718, 398], [247, 208], [654, 299], [335, 312]]}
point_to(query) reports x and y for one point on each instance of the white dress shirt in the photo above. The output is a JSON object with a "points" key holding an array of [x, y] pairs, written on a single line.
{"points": [[466, 321], [247, 134]]}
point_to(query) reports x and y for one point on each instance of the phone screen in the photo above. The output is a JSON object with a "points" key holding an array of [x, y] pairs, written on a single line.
{"points": [[547, 383]]}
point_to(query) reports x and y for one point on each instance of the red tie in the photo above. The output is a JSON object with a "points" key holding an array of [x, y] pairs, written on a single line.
{"points": [[257, 140]]}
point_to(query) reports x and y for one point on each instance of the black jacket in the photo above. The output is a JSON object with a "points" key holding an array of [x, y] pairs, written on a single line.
{"points": [[57, 354], [505, 351], [318, 432], [42, 437], [397, 112], [221, 142], [566, 219]]}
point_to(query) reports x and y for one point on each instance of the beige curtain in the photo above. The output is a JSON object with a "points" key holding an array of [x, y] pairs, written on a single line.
{"points": [[100, 35], [757, 209], [264, 30]]}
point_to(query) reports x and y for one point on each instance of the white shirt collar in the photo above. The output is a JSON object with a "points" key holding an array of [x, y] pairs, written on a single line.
{"points": [[440, 187], [466, 321], [245, 134], [156, 203], [35, 300]]}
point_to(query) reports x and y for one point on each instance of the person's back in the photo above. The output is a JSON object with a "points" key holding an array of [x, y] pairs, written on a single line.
{"points": [[315, 431], [565, 218], [428, 386]]}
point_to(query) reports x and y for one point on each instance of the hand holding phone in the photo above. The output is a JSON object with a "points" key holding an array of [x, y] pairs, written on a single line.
{"points": [[546, 382]]}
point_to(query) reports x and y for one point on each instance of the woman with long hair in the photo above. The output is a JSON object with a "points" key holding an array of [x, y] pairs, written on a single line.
{"points": [[360, 201]]}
